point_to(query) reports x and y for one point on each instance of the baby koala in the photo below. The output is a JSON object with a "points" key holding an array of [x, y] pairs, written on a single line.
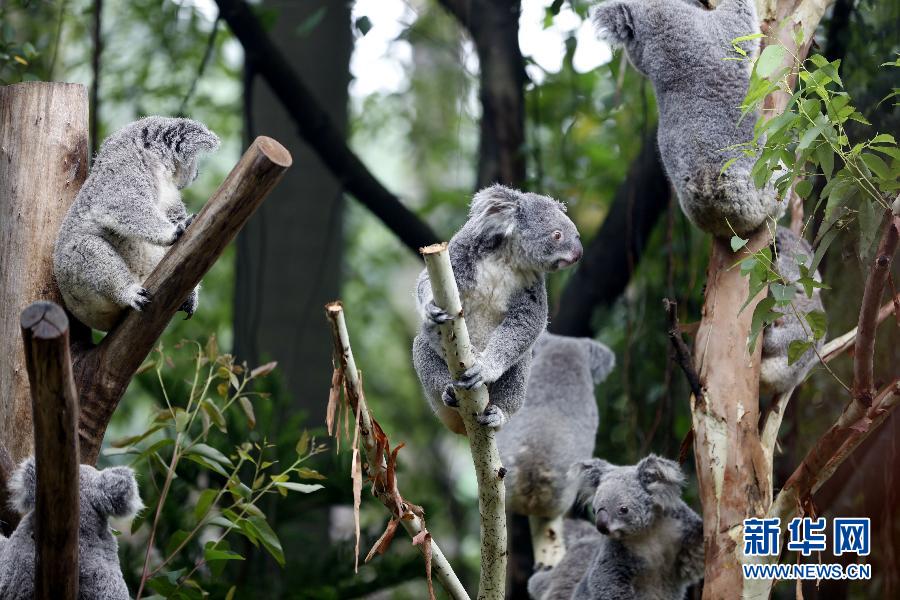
{"points": [[500, 258], [128, 212], [651, 547], [681, 48], [556, 427], [776, 375], [108, 493]]}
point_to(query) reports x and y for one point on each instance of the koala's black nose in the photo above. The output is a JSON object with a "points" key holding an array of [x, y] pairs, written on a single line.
{"points": [[603, 521]]}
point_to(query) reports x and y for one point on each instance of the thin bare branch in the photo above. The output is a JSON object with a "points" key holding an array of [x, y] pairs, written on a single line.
{"points": [[383, 487]]}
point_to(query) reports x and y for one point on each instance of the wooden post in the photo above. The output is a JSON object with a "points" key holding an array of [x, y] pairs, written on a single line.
{"points": [[45, 333], [43, 162], [103, 373]]}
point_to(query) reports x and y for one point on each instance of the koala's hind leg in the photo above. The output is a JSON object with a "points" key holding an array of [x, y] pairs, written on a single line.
{"points": [[506, 396], [435, 378], [546, 540]]}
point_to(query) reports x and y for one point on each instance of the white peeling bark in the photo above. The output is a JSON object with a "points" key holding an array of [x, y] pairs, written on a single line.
{"points": [[459, 356]]}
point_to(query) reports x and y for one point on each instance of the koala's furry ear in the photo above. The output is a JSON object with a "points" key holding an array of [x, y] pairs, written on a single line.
{"points": [[115, 492], [614, 21], [585, 476], [193, 138], [23, 486], [602, 360], [494, 208], [661, 477]]}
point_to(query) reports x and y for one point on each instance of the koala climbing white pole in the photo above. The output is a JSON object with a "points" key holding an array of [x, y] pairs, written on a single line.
{"points": [[377, 466], [45, 333], [459, 356], [104, 372]]}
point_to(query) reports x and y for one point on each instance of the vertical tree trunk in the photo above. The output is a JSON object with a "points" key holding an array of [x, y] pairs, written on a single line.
{"points": [[43, 162], [731, 466]]}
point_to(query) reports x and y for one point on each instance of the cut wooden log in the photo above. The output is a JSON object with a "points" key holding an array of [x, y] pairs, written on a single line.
{"points": [[45, 333]]}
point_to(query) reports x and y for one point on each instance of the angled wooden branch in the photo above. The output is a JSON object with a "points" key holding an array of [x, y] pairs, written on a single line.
{"points": [[103, 373], [491, 492], [45, 332], [317, 128], [382, 487], [837, 346]]}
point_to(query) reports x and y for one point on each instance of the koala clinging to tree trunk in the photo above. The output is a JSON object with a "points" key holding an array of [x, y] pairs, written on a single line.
{"points": [[128, 212], [651, 547], [776, 375], [556, 427], [108, 493], [681, 48], [500, 258]]}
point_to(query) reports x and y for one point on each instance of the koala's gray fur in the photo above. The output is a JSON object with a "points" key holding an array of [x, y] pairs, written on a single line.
{"points": [[500, 258], [557, 425], [776, 375], [680, 47], [128, 212], [651, 547], [583, 542], [108, 493]]}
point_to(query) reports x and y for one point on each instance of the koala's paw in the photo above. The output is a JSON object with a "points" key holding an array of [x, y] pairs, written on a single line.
{"points": [[437, 315], [492, 417], [471, 377], [188, 220], [180, 228], [189, 306], [138, 298], [449, 397]]}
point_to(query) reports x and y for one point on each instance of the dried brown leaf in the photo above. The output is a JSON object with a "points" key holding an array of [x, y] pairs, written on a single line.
{"points": [[334, 396], [263, 370], [356, 475], [384, 541], [423, 538]]}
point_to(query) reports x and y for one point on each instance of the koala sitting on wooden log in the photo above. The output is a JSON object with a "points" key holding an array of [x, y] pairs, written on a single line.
{"points": [[126, 215], [500, 258], [648, 543], [556, 427]]}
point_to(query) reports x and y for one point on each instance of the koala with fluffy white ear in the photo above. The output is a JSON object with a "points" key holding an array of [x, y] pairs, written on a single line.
{"points": [[108, 493], [681, 48], [776, 375], [556, 427], [651, 547], [126, 214], [500, 258]]}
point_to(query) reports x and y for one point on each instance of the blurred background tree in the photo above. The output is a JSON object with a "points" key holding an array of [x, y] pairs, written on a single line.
{"points": [[403, 80]]}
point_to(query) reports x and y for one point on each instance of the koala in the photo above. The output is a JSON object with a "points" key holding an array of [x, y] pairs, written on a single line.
{"points": [[651, 542], [776, 375], [681, 48], [108, 493], [128, 212], [500, 258], [559, 398]]}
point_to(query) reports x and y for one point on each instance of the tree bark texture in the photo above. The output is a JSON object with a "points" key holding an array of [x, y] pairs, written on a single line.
{"points": [[43, 162], [45, 333], [459, 356]]}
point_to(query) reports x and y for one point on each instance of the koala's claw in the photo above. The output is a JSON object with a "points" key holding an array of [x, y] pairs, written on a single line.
{"points": [[188, 220], [179, 230], [141, 299], [470, 378], [437, 315], [449, 397], [187, 307], [492, 417]]}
